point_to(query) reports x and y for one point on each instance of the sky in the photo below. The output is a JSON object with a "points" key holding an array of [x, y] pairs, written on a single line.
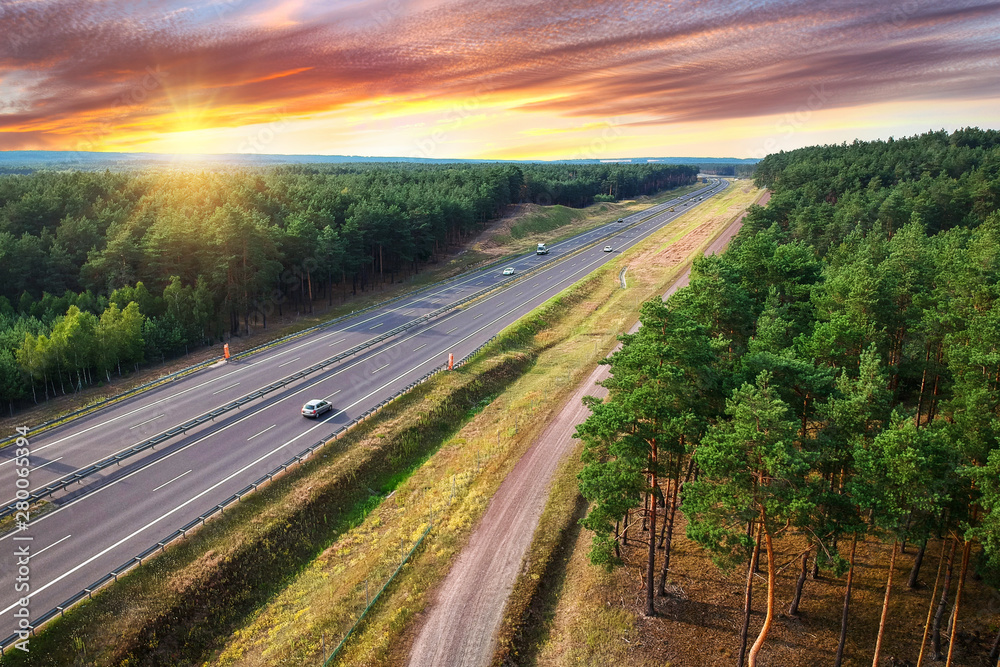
{"points": [[498, 79]]}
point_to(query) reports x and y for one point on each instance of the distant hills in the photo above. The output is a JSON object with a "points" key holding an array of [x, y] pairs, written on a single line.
{"points": [[27, 161]]}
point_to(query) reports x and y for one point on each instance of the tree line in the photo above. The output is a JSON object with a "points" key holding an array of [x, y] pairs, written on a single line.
{"points": [[833, 377], [100, 271]]}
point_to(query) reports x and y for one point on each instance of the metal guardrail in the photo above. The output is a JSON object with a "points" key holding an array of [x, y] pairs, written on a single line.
{"points": [[88, 591], [117, 459], [55, 421], [653, 210], [135, 561]]}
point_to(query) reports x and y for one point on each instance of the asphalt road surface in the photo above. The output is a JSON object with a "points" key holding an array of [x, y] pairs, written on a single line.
{"points": [[110, 517]]}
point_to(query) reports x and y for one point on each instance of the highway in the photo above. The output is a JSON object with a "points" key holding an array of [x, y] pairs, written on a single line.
{"points": [[113, 515]]}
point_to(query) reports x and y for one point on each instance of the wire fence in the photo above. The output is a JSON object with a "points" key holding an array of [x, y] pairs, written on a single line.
{"points": [[434, 503]]}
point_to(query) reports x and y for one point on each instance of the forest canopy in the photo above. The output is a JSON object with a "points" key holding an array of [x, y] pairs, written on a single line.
{"points": [[834, 375], [102, 270]]}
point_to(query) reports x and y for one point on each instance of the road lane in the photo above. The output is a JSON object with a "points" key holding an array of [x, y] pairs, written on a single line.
{"points": [[209, 464], [93, 438]]}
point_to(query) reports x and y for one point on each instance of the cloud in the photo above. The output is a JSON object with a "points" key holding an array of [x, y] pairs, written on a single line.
{"points": [[16, 141], [74, 70]]}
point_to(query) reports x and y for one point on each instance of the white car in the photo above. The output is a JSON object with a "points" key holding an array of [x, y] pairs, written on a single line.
{"points": [[316, 407], [509, 271], [608, 248]]}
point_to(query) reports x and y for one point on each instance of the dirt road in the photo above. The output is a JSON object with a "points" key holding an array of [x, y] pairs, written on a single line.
{"points": [[463, 621]]}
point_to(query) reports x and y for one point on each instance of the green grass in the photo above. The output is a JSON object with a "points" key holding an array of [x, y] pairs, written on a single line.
{"points": [[183, 605], [575, 341], [549, 219], [264, 583]]}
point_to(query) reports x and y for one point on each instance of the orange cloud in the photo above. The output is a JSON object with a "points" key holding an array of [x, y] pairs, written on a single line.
{"points": [[77, 72]]}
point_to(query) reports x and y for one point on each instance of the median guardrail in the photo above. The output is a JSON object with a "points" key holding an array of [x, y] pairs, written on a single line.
{"points": [[61, 419], [117, 459], [150, 443], [87, 592], [137, 560]]}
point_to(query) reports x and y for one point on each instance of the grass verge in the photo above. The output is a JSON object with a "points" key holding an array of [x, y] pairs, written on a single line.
{"points": [[274, 579], [558, 225], [578, 342]]}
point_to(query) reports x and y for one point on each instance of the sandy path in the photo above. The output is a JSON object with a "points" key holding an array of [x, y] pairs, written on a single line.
{"points": [[462, 623]]}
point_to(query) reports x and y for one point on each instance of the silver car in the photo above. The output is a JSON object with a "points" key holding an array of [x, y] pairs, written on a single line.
{"points": [[316, 407]]}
